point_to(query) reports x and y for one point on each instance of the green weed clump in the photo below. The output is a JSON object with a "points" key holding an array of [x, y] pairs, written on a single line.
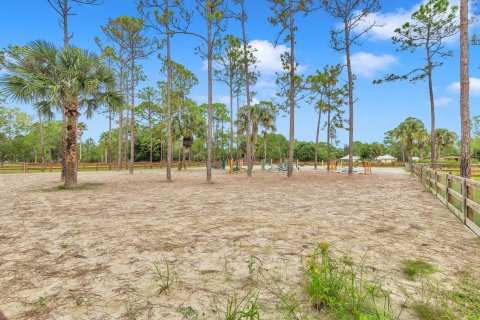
{"points": [[165, 277], [244, 309], [337, 284], [413, 268]]}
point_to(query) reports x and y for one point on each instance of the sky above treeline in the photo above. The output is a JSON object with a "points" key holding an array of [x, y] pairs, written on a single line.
{"points": [[378, 108]]}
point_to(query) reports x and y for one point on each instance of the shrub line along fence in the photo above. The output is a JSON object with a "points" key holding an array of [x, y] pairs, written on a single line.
{"points": [[459, 195]]}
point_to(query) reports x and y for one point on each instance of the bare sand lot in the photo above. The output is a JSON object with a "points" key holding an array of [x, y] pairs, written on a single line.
{"points": [[91, 253]]}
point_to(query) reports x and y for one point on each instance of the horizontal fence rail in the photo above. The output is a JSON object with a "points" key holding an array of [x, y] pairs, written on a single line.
{"points": [[27, 167], [460, 195]]}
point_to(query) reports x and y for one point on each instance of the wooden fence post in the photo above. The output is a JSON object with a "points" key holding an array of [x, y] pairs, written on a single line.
{"points": [[447, 185], [464, 190]]}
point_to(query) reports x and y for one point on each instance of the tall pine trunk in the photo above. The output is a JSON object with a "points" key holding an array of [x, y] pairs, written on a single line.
{"points": [[432, 106], [210, 54], [231, 114], [292, 92], [350, 99], [329, 132], [247, 90], [316, 137], [169, 100], [132, 118], [464, 91]]}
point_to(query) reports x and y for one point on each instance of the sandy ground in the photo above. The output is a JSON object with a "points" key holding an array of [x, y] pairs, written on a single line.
{"points": [[90, 253]]}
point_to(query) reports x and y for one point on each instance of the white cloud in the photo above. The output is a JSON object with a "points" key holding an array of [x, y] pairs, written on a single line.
{"points": [[225, 99], [389, 21], [268, 56], [443, 102], [368, 64], [474, 87]]}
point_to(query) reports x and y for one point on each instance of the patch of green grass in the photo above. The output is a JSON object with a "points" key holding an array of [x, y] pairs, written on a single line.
{"points": [[188, 312], [64, 245], [42, 301], [413, 268], [337, 284], [428, 311]]}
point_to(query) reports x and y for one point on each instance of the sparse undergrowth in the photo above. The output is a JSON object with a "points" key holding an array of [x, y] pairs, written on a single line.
{"points": [[413, 268], [339, 286]]}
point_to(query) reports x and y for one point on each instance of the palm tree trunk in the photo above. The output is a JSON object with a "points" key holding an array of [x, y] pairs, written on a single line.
{"points": [[316, 138], [42, 139], [71, 159], [464, 91]]}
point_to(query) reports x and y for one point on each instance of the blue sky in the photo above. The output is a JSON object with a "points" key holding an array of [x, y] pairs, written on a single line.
{"points": [[378, 108]]}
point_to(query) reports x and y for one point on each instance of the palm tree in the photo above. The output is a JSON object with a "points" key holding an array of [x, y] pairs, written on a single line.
{"points": [[188, 124], [423, 139], [406, 132], [443, 138], [70, 78], [268, 115]]}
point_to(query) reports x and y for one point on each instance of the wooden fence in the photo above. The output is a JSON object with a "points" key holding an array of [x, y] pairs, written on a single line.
{"points": [[459, 195], [26, 167]]}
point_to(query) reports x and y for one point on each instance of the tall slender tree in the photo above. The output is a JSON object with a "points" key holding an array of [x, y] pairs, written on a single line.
{"points": [[353, 16], [464, 90], [332, 98], [130, 34], [149, 111], [431, 25], [284, 13], [166, 17], [229, 58]]}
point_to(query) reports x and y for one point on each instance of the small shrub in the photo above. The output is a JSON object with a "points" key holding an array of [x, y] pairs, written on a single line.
{"points": [[413, 268]]}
